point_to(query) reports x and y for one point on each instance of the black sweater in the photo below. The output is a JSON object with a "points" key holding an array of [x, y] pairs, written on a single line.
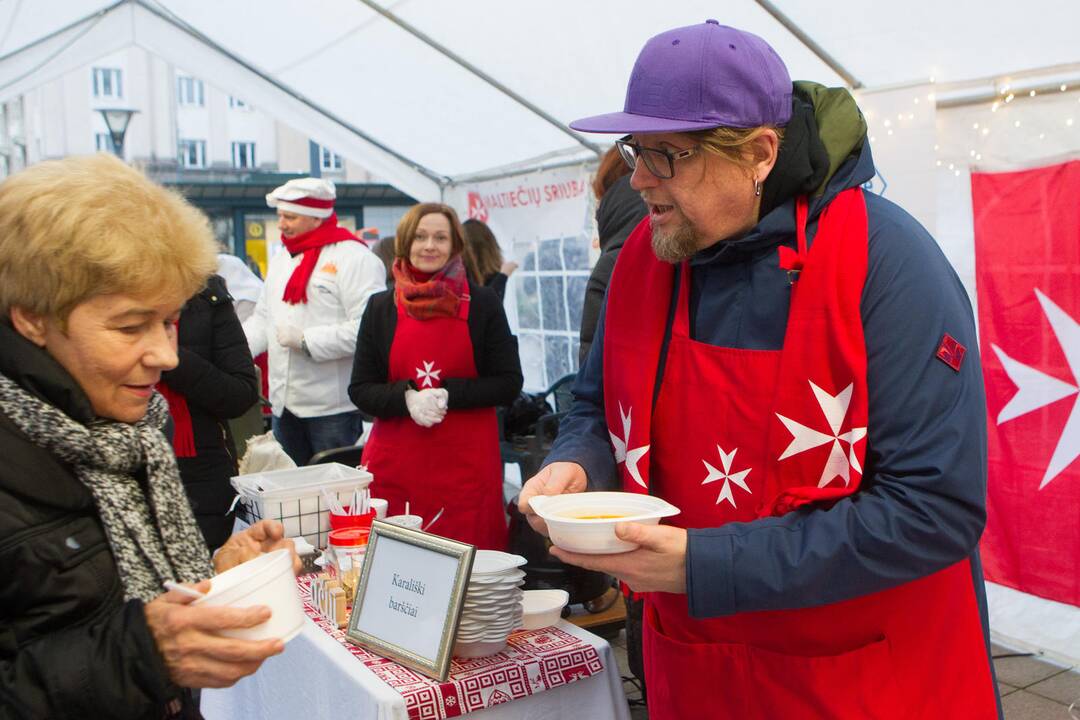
{"points": [[217, 378], [495, 352]]}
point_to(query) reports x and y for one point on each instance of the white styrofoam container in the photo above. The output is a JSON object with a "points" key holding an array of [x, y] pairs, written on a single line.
{"points": [[294, 497]]}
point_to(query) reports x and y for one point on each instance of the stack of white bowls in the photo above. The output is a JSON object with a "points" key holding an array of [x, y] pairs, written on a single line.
{"points": [[492, 607]]}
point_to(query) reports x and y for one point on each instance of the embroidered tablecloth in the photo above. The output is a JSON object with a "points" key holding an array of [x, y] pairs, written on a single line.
{"points": [[533, 661]]}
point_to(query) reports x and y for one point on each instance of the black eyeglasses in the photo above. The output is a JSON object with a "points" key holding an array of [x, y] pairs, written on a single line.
{"points": [[660, 163]]}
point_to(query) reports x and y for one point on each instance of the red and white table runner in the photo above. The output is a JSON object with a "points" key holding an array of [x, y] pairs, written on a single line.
{"points": [[533, 661]]}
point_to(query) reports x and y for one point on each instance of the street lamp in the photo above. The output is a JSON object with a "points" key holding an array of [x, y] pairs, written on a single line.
{"points": [[116, 120]]}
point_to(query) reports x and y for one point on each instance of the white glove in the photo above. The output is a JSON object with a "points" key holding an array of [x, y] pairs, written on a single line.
{"points": [[424, 407], [441, 397], [290, 336]]}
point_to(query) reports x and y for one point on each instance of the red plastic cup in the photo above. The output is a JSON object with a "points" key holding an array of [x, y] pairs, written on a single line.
{"points": [[338, 522]]}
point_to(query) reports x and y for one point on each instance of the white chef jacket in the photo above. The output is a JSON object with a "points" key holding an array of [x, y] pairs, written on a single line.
{"points": [[345, 277]]}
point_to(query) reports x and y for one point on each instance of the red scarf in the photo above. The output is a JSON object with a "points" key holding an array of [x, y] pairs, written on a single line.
{"points": [[438, 295], [183, 435], [311, 244]]}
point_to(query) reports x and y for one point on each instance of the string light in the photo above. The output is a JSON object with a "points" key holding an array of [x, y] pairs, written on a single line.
{"points": [[1009, 98], [1069, 122], [1016, 124], [1031, 94], [1064, 87]]}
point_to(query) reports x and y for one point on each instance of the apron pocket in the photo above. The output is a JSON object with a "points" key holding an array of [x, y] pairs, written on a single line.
{"points": [[693, 680], [743, 682], [856, 685]]}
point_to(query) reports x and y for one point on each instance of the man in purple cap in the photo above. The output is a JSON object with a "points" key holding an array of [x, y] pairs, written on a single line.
{"points": [[781, 356]]}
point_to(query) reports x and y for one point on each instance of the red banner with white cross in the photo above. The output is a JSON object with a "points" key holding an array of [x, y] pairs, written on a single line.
{"points": [[1027, 271]]}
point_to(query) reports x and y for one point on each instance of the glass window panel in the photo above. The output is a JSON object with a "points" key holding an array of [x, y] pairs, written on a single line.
{"points": [[575, 350], [550, 257], [575, 299], [576, 253], [553, 303], [528, 300], [556, 357]]}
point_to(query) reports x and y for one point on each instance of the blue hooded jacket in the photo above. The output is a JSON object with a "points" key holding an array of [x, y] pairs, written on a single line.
{"points": [[922, 503]]}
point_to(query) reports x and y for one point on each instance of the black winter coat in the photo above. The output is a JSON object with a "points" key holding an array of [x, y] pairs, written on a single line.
{"points": [[619, 212], [495, 352], [217, 377], [70, 646]]}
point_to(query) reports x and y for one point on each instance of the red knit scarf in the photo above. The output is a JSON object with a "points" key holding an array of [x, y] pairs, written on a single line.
{"points": [[183, 435], [439, 295], [311, 244]]}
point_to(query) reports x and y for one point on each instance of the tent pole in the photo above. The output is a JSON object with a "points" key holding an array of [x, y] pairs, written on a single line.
{"points": [[809, 42], [450, 55]]}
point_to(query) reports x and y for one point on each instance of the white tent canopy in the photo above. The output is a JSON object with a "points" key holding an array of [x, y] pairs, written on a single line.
{"points": [[425, 93]]}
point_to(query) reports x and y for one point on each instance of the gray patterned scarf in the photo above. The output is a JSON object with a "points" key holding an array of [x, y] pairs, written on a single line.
{"points": [[152, 539]]}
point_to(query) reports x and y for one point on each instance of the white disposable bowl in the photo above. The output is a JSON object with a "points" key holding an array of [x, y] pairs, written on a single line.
{"points": [[542, 608], [379, 505], [265, 580], [571, 531], [406, 521]]}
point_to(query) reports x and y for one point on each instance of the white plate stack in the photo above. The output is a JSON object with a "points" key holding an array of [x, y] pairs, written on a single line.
{"points": [[492, 604]]}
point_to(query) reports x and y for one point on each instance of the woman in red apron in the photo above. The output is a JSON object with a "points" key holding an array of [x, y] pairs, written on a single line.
{"points": [[434, 358]]}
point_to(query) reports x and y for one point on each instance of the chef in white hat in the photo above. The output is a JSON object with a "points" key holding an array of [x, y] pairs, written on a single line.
{"points": [[308, 316]]}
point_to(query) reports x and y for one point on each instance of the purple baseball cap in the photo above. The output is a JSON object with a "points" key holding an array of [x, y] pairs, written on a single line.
{"points": [[701, 77]]}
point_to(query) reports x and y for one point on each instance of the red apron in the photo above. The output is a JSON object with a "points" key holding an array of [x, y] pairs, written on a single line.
{"points": [[741, 434], [454, 465]]}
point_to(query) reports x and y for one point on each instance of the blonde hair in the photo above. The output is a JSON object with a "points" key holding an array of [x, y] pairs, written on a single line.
{"points": [[735, 144], [481, 245], [86, 226]]}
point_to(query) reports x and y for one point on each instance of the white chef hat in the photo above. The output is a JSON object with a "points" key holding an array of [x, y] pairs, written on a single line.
{"points": [[304, 196]]}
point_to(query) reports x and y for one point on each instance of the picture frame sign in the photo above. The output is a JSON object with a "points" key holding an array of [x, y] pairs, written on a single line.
{"points": [[409, 597]]}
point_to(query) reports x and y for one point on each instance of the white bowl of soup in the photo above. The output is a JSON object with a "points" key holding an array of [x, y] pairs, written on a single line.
{"points": [[585, 522]]}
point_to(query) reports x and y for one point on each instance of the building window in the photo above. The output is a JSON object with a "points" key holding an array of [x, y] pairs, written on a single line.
{"points": [[238, 104], [190, 91], [243, 154], [192, 153], [330, 160], [107, 83], [103, 142]]}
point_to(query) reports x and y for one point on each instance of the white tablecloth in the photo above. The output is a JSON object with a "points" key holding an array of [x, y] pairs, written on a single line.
{"points": [[316, 679]]}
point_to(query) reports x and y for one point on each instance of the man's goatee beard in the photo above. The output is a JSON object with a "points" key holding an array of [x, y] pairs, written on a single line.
{"points": [[675, 246]]}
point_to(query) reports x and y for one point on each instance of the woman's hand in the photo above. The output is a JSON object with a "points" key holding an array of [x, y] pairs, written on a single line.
{"points": [[508, 268], [262, 537], [426, 407], [658, 565], [558, 478], [195, 656]]}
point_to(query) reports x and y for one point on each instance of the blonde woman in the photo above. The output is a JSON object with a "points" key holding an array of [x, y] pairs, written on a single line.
{"points": [[485, 257], [96, 262]]}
